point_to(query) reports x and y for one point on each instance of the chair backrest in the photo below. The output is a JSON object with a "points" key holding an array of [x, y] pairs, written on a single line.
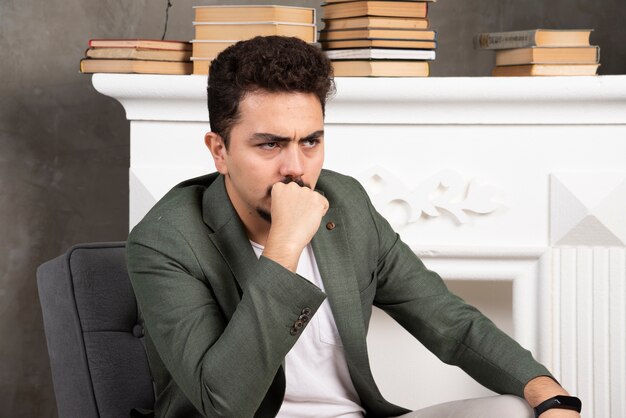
{"points": [[97, 357]]}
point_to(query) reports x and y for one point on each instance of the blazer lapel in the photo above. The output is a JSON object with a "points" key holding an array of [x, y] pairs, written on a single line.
{"points": [[229, 235], [334, 260], [230, 238]]}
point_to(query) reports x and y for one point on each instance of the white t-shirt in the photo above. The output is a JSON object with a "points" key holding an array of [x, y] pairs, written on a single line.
{"points": [[318, 381]]}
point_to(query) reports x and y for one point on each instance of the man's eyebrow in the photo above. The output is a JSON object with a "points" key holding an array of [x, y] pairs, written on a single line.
{"points": [[314, 135], [267, 137], [260, 136]]}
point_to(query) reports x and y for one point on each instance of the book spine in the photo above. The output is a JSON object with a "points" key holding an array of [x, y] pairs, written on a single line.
{"points": [[505, 40]]}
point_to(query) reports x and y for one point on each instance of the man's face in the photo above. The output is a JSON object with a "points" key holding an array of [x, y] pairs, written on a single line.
{"points": [[279, 137]]}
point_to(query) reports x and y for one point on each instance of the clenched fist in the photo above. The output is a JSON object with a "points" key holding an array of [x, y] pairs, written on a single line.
{"points": [[296, 216]]}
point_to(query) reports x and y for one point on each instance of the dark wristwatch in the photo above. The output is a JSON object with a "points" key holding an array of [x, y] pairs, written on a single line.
{"points": [[559, 402]]}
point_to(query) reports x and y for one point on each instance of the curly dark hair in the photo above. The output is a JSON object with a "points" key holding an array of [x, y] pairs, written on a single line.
{"points": [[269, 63]]}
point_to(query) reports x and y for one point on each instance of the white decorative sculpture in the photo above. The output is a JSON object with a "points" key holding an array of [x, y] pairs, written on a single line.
{"points": [[447, 190]]}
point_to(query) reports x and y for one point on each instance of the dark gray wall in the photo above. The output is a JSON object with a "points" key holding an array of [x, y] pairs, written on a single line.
{"points": [[63, 167], [64, 148], [458, 20]]}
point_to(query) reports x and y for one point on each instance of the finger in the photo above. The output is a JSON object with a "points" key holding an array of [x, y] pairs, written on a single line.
{"points": [[277, 187], [325, 205]]}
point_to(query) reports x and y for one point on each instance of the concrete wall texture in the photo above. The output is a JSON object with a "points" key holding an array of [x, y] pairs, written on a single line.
{"points": [[64, 150]]}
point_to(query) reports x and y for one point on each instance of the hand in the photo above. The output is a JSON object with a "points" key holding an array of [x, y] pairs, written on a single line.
{"points": [[541, 388], [296, 216]]}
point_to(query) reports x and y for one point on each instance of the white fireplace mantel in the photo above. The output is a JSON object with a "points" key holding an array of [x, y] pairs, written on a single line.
{"points": [[453, 100], [513, 186]]}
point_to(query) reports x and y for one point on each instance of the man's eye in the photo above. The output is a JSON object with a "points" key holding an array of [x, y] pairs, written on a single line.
{"points": [[310, 143], [268, 145]]}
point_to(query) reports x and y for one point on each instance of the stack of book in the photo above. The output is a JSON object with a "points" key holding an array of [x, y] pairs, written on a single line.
{"points": [[378, 38], [218, 27], [541, 52], [144, 56]]}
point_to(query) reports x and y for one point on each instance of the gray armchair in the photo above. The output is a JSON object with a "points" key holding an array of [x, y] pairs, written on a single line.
{"points": [[98, 360]]}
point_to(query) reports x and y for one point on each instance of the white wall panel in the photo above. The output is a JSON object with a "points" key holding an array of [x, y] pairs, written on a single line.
{"points": [[592, 326]]}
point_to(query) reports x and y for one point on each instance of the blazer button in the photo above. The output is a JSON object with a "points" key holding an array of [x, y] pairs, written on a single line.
{"points": [[306, 311], [303, 318], [293, 331], [298, 324], [330, 226]]}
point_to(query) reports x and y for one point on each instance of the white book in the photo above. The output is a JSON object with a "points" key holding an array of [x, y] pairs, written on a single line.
{"points": [[381, 53]]}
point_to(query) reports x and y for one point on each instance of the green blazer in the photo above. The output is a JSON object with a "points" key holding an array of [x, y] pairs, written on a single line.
{"points": [[218, 319]]}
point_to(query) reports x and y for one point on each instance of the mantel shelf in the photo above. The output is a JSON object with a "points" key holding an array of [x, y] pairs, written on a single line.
{"points": [[432, 100]]}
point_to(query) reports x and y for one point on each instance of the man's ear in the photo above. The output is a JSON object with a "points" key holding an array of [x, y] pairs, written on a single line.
{"points": [[216, 146]]}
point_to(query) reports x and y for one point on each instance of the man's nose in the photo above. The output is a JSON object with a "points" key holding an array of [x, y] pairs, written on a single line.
{"points": [[291, 164]]}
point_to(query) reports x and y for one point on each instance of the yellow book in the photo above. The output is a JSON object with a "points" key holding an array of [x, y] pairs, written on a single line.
{"points": [[380, 68], [240, 30], [346, 1], [535, 37], [378, 43], [375, 8], [209, 49], [364, 22], [545, 70], [134, 66], [261, 13], [138, 54], [412, 34], [140, 44], [548, 55], [201, 65]]}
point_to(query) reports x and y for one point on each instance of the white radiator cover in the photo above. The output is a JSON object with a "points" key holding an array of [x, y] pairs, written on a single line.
{"points": [[509, 185]]}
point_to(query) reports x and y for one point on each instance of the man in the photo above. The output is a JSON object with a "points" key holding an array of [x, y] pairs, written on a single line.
{"points": [[256, 283]]}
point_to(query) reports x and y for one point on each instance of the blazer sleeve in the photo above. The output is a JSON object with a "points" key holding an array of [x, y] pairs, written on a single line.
{"points": [[223, 368], [454, 331]]}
